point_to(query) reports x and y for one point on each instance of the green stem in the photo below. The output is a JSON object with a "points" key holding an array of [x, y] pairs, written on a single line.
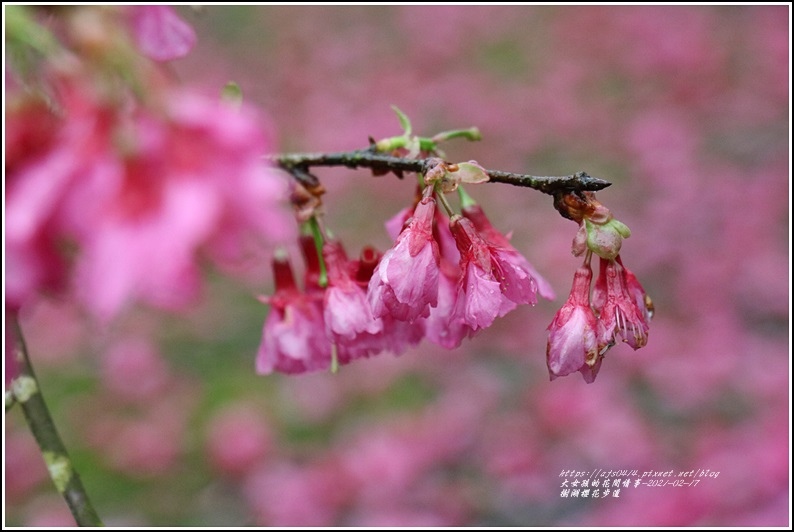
{"points": [[443, 201], [466, 201], [471, 133], [317, 234], [27, 393]]}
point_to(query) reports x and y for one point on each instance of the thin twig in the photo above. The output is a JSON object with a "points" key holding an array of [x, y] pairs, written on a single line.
{"points": [[28, 394], [299, 163]]}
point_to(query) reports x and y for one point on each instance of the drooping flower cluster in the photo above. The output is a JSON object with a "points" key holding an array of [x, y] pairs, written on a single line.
{"points": [[443, 279], [588, 325]]}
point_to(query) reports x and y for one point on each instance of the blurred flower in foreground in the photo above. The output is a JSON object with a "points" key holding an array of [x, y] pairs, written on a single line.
{"points": [[139, 193], [159, 32], [131, 182]]}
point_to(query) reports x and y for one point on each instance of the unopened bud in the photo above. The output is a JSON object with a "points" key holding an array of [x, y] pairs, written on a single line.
{"points": [[605, 239]]}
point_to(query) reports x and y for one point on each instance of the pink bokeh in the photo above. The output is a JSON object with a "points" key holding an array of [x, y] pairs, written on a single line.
{"points": [[684, 108]]}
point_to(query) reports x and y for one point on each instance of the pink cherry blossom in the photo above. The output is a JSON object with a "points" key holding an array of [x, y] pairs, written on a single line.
{"points": [[575, 333], [642, 300], [447, 246], [445, 325], [483, 225], [346, 310], [405, 282], [392, 335], [396, 223], [293, 338], [621, 313], [490, 285], [140, 192]]}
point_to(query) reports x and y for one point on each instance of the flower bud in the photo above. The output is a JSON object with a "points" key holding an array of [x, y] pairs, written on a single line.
{"points": [[605, 239]]}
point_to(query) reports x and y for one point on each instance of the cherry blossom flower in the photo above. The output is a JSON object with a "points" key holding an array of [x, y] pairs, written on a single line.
{"points": [[642, 300], [621, 312], [483, 225], [490, 285], [346, 310], [445, 325], [396, 223], [575, 334], [390, 334], [139, 192], [404, 285], [293, 338]]}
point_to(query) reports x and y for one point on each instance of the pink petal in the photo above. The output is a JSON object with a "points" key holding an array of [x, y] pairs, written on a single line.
{"points": [[160, 33]]}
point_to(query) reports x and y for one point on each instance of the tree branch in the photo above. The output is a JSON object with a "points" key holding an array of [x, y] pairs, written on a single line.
{"points": [[298, 165], [27, 393]]}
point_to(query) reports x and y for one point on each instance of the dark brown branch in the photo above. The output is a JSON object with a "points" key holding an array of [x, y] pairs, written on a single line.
{"points": [[298, 165]]}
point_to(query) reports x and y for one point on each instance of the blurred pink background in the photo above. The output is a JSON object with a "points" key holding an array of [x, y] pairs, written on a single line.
{"points": [[685, 109]]}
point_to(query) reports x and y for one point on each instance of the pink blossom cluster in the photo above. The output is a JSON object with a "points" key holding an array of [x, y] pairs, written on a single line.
{"points": [[444, 280], [588, 325], [136, 192]]}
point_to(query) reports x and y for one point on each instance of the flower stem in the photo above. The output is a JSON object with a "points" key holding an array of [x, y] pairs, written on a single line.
{"points": [[26, 390], [298, 163], [317, 234], [443, 201]]}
